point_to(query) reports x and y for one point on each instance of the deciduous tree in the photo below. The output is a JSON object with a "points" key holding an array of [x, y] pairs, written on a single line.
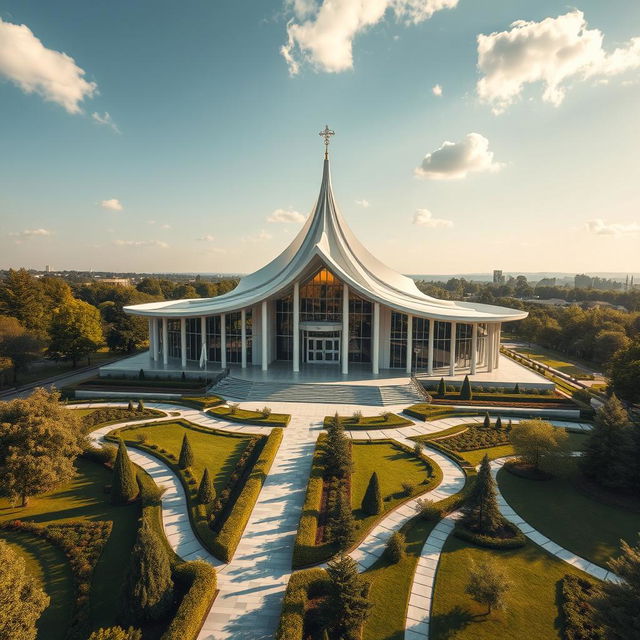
{"points": [[488, 585], [535, 441]]}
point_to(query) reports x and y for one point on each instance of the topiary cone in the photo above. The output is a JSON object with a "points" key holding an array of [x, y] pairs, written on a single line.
{"points": [[186, 453], [124, 486], [372, 501]]}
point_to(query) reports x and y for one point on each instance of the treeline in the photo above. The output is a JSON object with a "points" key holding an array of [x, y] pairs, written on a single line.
{"points": [[50, 318]]}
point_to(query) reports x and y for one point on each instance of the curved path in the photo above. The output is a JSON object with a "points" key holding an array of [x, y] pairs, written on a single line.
{"points": [[253, 583], [421, 596]]}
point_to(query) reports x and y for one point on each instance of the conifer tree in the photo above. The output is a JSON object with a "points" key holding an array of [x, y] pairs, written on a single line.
{"points": [[480, 512], [516, 389], [186, 453], [617, 608], [347, 605], [337, 451], [498, 423], [372, 501], [206, 491], [130, 406], [342, 524], [442, 388], [140, 405], [465, 390], [487, 420], [124, 486], [148, 590], [608, 446]]}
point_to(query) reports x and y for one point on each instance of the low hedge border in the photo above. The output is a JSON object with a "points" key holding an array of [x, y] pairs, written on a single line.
{"points": [[201, 402], [227, 540], [518, 540], [93, 421], [578, 612], [199, 582], [369, 423], [246, 416], [301, 584]]}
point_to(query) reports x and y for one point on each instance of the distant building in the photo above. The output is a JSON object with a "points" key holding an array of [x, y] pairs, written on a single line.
{"points": [[498, 278], [581, 281], [120, 282], [48, 269]]}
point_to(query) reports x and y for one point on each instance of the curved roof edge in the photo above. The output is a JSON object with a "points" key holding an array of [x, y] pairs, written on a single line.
{"points": [[327, 239]]}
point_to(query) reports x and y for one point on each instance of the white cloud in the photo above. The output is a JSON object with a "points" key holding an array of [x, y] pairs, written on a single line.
{"points": [[106, 120], [424, 218], [112, 205], [257, 237], [363, 203], [286, 215], [21, 236], [141, 243], [206, 238], [323, 34], [602, 228], [553, 52], [165, 226], [455, 160], [35, 69], [437, 90]]}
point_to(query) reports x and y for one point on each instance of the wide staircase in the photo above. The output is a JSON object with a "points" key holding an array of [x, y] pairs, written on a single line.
{"points": [[245, 390]]}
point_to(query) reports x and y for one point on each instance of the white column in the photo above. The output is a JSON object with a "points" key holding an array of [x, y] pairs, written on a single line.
{"points": [[474, 348], [165, 342], [203, 337], [432, 328], [498, 336], [152, 345], [409, 343], [375, 350], [490, 344], [156, 333], [265, 337], [345, 330], [452, 350], [243, 337], [223, 340], [183, 342], [296, 327]]}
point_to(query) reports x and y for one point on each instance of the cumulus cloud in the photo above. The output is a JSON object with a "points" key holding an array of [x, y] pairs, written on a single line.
{"points": [[55, 76], [165, 226], [424, 218], [553, 52], [141, 243], [207, 237], [286, 215], [257, 237], [21, 236], [601, 227], [112, 205], [437, 90], [105, 119], [363, 203], [454, 160], [322, 34]]}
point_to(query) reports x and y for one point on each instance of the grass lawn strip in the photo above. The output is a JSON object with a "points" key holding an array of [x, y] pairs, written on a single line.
{"points": [[388, 421], [586, 527], [246, 416]]}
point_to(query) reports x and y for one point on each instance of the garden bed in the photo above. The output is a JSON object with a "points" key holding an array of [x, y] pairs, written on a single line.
{"points": [[246, 416], [104, 416], [384, 421]]}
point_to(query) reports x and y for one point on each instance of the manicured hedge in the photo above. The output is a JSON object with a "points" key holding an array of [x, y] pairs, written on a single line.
{"points": [[201, 402], [296, 596], [162, 383], [198, 580], [578, 610], [246, 416], [515, 542], [226, 542], [369, 422]]}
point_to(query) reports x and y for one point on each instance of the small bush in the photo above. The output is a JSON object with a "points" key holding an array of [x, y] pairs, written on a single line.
{"points": [[408, 488], [396, 547], [356, 416], [265, 412], [117, 633], [578, 609], [418, 448], [233, 408], [428, 510]]}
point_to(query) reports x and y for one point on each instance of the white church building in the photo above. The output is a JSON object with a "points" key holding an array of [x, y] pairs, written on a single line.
{"points": [[326, 301]]}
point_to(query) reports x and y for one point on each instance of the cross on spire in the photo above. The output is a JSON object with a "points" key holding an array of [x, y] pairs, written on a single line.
{"points": [[326, 134]]}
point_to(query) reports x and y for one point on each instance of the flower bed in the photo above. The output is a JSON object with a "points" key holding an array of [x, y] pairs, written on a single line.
{"points": [[111, 415], [475, 437], [246, 416]]}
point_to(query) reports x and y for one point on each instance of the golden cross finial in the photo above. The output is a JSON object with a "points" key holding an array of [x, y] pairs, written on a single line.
{"points": [[326, 134]]}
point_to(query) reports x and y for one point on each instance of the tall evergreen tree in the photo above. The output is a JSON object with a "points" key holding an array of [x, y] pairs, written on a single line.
{"points": [[480, 512], [607, 450], [487, 420], [465, 390], [618, 609], [372, 501], [124, 486], [206, 491], [148, 590], [186, 453], [347, 605], [498, 423], [342, 524], [442, 388], [337, 451]]}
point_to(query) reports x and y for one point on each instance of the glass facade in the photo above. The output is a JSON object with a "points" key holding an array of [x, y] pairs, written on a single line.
{"points": [[213, 339], [321, 298], [174, 338], [464, 334], [421, 343], [284, 328], [441, 344], [360, 313], [233, 323], [194, 339], [398, 341]]}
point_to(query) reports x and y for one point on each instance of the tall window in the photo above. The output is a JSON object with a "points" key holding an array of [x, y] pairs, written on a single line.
{"points": [[284, 328], [249, 317], [174, 338], [194, 339], [421, 343], [359, 329], [464, 334], [213, 339], [234, 336], [321, 298], [398, 347], [441, 344]]}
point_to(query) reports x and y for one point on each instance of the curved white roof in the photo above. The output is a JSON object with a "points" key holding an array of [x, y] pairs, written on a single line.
{"points": [[326, 239]]}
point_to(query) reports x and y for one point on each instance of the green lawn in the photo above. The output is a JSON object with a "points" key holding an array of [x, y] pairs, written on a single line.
{"points": [[394, 466], [213, 449], [585, 526], [81, 499], [555, 361], [531, 603], [248, 416], [389, 421]]}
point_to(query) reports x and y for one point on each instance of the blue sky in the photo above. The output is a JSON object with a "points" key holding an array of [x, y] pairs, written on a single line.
{"points": [[210, 133]]}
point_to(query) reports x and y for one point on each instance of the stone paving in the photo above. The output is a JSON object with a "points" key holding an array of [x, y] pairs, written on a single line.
{"points": [[253, 583]]}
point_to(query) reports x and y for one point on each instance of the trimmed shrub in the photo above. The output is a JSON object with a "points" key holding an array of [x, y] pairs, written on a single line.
{"points": [[516, 389], [372, 500], [206, 492], [428, 510], [198, 579], [102, 454], [487, 420], [300, 584], [186, 453], [408, 488], [442, 388], [498, 423], [480, 513], [515, 539], [124, 486], [117, 633], [130, 407], [396, 547], [465, 390], [578, 611], [140, 408]]}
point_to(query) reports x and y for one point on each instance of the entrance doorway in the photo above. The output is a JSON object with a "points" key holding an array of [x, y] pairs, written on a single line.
{"points": [[322, 348]]}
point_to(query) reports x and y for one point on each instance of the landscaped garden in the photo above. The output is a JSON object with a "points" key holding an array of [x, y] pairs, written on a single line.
{"points": [[356, 421], [260, 417]]}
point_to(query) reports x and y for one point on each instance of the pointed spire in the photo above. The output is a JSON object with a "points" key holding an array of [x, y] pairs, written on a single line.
{"points": [[326, 134]]}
